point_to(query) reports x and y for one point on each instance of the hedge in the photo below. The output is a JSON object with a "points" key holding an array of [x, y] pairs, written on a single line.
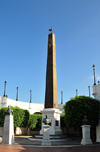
{"points": [[35, 121], [62, 122], [22, 118], [77, 108]]}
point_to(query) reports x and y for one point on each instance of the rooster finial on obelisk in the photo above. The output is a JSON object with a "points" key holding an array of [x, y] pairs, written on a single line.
{"points": [[51, 29]]}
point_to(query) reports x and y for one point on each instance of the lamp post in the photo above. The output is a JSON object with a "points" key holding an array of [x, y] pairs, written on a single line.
{"points": [[30, 99], [61, 97], [17, 94], [94, 74], [89, 90], [76, 92], [30, 96], [4, 88]]}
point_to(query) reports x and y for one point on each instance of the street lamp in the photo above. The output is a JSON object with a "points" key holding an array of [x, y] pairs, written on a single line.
{"points": [[94, 74], [89, 90], [30, 99], [4, 88], [30, 96], [76, 92], [17, 94], [98, 82], [61, 97]]}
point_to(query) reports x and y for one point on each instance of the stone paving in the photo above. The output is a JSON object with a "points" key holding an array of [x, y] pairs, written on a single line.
{"points": [[22, 144], [5, 148]]}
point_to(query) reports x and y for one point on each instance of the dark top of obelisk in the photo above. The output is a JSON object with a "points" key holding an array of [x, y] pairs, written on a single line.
{"points": [[51, 29]]}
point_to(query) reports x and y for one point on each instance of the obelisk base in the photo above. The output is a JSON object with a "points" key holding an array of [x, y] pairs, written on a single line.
{"points": [[54, 115], [8, 132]]}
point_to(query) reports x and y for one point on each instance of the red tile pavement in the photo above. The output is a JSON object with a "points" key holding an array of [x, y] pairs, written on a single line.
{"points": [[6, 148]]}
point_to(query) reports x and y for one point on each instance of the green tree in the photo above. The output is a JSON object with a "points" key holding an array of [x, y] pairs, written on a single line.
{"points": [[22, 118], [18, 115], [25, 122], [3, 111], [77, 108], [62, 122], [32, 121], [39, 120], [35, 120]]}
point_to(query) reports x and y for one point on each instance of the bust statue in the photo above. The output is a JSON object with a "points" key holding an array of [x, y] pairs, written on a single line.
{"points": [[46, 121], [85, 121], [9, 111]]}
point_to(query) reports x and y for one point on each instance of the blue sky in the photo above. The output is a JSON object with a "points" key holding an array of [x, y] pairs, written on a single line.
{"points": [[24, 26]]}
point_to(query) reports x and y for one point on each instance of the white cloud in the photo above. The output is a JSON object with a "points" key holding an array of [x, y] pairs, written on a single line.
{"points": [[92, 77], [98, 78]]}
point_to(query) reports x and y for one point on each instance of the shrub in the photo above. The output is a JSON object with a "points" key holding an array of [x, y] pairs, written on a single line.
{"points": [[81, 106], [35, 121], [3, 111], [62, 123], [18, 115], [25, 122]]}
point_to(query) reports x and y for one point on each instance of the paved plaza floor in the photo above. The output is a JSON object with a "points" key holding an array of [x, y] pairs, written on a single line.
{"points": [[22, 144], [6, 148]]}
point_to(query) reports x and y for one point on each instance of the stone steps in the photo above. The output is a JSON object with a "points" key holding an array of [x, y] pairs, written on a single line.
{"points": [[53, 138]]}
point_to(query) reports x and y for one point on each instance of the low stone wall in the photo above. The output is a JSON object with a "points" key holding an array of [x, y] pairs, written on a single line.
{"points": [[21, 131], [64, 130], [0, 140], [18, 131], [27, 131], [1, 131], [71, 131], [34, 132]]}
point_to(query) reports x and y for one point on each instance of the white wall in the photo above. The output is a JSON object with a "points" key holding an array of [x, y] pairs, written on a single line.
{"points": [[61, 107], [32, 108], [5, 102], [96, 91]]}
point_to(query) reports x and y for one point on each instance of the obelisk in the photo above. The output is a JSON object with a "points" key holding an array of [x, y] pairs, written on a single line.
{"points": [[51, 104], [51, 76]]}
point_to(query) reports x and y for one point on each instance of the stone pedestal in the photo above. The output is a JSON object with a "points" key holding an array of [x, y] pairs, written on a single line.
{"points": [[46, 141], [86, 135], [96, 94], [98, 130], [54, 115], [8, 131]]}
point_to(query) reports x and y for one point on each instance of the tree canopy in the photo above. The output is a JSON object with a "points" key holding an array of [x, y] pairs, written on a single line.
{"points": [[79, 107], [22, 118]]}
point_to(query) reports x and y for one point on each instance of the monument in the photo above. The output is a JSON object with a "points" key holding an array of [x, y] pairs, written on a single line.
{"points": [[8, 132], [86, 132], [45, 140], [51, 104]]}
